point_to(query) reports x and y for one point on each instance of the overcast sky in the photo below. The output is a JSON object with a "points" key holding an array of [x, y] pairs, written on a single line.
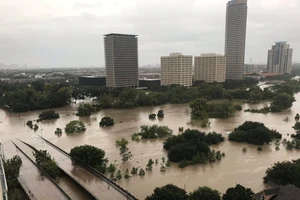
{"points": [[69, 33]]}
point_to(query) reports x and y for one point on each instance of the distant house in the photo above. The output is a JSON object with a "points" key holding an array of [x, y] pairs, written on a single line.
{"points": [[278, 192]]}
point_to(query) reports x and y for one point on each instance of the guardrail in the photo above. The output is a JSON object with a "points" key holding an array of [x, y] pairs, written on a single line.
{"points": [[76, 182], [128, 195], [59, 188], [3, 176]]}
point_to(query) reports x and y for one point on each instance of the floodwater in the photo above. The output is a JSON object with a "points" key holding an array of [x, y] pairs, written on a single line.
{"points": [[236, 167]]}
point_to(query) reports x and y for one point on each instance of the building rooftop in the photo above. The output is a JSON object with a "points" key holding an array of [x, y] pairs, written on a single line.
{"points": [[175, 55], [287, 192], [120, 34], [234, 2], [281, 42], [210, 54], [92, 76]]}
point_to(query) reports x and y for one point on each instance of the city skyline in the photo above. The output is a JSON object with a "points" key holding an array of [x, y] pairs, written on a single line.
{"points": [[69, 34]]}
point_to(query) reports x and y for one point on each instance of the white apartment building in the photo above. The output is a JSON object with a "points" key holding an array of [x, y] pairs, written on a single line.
{"points": [[176, 69], [210, 68]]}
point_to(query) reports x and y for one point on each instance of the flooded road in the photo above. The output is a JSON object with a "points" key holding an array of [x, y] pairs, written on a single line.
{"points": [[237, 167]]}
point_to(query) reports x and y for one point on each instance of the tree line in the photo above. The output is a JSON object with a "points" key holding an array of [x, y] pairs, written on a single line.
{"points": [[36, 96], [172, 192], [40, 95]]}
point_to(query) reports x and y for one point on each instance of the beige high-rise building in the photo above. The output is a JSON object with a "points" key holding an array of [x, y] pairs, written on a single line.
{"points": [[235, 38], [176, 69], [210, 68]]}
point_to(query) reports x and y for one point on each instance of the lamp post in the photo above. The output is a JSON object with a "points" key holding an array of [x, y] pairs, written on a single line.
{"points": [[42, 136], [183, 184]]}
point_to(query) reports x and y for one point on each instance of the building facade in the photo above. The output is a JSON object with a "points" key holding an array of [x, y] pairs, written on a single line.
{"points": [[92, 80], [249, 68], [280, 58], [121, 60], [210, 68], [176, 69], [235, 38]]}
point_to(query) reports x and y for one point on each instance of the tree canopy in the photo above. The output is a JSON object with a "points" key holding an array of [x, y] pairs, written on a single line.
{"points": [[204, 193], [297, 126], [75, 126], [160, 114], [284, 173], [192, 147], [238, 192], [172, 192], [124, 151], [85, 109], [48, 114], [22, 98], [44, 160], [90, 155], [202, 110], [12, 171], [168, 192], [154, 131], [106, 121], [282, 101], [253, 133]]}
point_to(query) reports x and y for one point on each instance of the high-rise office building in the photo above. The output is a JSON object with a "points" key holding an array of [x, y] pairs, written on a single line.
{"points": [[121, 60], [210, 68], [235, 38], [280, 58], [176, 69]]}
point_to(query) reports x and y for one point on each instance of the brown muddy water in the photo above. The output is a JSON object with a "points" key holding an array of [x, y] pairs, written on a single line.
{"points": [[236, 167]]}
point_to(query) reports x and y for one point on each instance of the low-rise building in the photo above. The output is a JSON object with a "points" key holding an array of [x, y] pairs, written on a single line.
{"points": [[92, 80], [149, 82]]}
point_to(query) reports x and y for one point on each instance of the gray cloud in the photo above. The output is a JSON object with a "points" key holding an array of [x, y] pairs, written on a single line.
{"points": [[49, 33]]}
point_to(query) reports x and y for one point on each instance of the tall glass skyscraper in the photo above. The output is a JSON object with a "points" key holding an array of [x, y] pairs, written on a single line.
{"points": [[235, 39]]}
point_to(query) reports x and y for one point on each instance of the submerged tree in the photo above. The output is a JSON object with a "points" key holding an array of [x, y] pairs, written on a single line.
{"points": [[92, 156], [44, 160], [124, 151], [85, 109], [160, 114], [48, 114], [75, 126], [152, 116], [106, 121]]}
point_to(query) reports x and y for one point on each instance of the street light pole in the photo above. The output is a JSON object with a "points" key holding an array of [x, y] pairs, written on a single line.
{"points": [[183, 184], [42, 136]]}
